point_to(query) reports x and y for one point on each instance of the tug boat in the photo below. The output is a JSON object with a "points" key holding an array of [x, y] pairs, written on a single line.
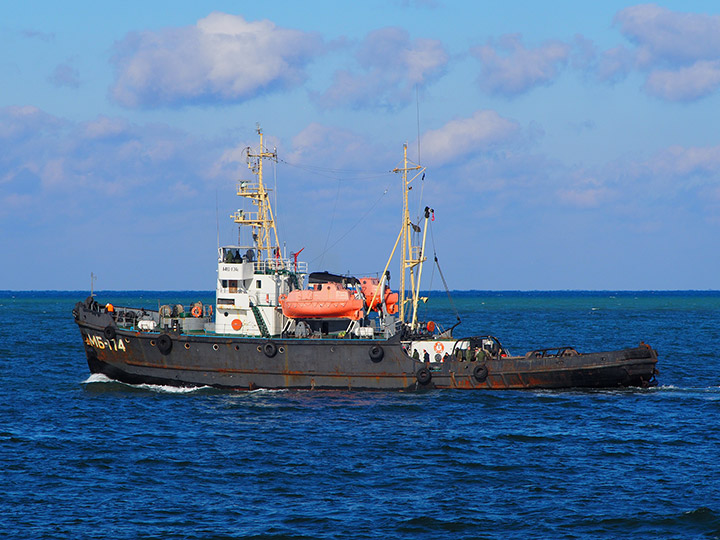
{"points": [[268, 329]]}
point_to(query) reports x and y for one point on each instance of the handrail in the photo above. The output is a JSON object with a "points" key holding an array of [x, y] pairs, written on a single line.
{"points": [[272, 265]]}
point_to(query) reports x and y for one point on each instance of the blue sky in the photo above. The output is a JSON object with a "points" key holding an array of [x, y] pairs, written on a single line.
{"points": [[567, 146]]}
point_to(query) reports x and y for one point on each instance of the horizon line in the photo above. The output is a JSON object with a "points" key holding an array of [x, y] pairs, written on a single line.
{"points": [[82, 291]]}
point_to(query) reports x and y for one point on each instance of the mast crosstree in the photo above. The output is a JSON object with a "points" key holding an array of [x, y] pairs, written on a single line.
{"points": [[413, 256], [264, 231]]}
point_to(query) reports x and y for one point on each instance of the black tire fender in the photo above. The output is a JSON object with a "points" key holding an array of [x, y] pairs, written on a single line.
{"points": [[376, 353], [270, 349], [164, 344], [480, 372], [109, 332], [423, 375]]}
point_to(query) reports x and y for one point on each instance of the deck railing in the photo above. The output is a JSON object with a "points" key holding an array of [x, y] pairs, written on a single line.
{"points": [[270, 266]]}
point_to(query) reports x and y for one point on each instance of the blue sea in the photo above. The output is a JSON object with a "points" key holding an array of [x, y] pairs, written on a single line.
{"points": [[83, 457]]}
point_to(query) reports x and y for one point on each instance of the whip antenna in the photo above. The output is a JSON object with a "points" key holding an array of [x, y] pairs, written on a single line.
{"points": [[217, 218], [417, 106]]}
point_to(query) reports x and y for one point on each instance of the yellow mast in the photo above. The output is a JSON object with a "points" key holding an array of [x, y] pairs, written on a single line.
{"points": [[412, 256], [262, 221], [421, 259]]}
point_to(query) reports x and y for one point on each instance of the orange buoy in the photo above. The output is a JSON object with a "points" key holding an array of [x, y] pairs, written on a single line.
{"points": [[196, 311], [431, 326], [236, 324], [439, 347], [110, 308]]}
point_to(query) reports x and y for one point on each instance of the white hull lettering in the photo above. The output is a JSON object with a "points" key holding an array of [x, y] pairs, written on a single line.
{"points": [[102, 344]]}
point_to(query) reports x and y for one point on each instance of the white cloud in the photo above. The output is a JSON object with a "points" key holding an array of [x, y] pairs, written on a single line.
{"points": [[615, 64], [319, 143], [585, 196], [104, 127], [685, 84], [672, 178], [681, 162], [584, 52], [70, 164], [65, 75], [223, 58], [680, 52], [461, 138], [662, 35], [392, 65], [509, 68], [17, 122]]}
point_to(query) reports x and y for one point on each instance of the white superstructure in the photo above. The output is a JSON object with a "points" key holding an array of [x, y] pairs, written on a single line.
{"points": [[252, 277], [248, 292]]}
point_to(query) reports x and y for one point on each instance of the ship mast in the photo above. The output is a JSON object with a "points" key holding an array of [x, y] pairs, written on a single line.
{"points": [[262, 221], [412, 256]]}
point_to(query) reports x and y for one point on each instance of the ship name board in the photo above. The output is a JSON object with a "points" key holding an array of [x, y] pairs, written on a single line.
{"points": [[100, 343]]}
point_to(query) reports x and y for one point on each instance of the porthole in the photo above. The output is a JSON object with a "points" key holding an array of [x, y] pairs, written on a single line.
{"points": [[259, 348], [281, 350], [215, 347], [237, 347], [187, 346], [152, 342]]}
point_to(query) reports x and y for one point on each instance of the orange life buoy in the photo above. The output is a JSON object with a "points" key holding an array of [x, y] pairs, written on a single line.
{"points": [[439, 347], [196, 311], [236, 324], [431, 326]]}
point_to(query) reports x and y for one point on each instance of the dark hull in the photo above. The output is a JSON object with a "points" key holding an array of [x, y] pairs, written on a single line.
{"points": [[252, 363]]}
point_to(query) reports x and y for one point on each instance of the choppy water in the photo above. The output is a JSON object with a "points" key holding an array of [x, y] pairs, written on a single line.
{"points": [[85, 457]]}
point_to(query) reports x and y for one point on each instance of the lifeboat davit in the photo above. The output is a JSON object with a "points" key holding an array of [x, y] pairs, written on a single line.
{"points": [[369, 287], [323, 301]]}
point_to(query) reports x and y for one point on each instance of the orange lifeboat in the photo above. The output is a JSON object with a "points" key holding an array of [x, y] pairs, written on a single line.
{"points": [[323, 301], [369, 286], [391, 300]]}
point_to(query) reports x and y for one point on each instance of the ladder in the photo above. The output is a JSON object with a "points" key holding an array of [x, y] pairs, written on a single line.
{"points": [[260, 322]]}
